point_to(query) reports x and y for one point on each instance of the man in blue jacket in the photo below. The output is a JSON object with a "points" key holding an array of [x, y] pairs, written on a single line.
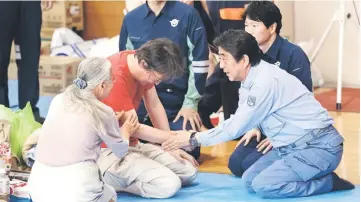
{"points": [[263, 21], [307, 147]]}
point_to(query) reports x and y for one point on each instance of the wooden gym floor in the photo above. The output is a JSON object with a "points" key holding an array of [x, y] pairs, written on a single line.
{"points": [[215, 159]]}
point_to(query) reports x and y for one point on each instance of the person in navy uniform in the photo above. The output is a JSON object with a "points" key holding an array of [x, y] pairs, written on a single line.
{"points": [[306, 146], [219, 91], [263, 19], [21, 21], [182, 24]]}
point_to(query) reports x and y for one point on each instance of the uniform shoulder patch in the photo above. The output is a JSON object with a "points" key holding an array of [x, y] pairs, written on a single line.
{"points": [[251, 101]]}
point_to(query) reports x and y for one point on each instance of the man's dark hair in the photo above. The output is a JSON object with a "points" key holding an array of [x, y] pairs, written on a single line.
{"points": [[266, 12], [239, 43], [162, 56]]}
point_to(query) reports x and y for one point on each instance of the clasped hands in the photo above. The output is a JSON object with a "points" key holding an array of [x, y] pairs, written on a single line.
{"points": [[130, 124], [178, 140]]}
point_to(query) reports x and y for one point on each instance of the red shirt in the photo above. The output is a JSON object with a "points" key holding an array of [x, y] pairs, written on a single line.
{"points": [[127, 92]]}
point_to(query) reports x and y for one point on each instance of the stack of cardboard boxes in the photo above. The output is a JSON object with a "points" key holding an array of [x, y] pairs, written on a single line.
{"points": [[55, 73], [63, 14]]}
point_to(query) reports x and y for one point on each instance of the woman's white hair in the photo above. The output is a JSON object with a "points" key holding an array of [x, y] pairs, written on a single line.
{"points": [[91, 72]]}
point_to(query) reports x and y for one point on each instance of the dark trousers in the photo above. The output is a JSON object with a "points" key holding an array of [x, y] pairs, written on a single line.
{"points": [[177, 126], [21, 20], [244, 157], [219, 91]]}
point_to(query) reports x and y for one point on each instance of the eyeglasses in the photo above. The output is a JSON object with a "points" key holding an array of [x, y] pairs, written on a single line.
{"points": [[153, 77]]}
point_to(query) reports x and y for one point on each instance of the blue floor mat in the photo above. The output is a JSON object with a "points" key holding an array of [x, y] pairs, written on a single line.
{"points": [[211, 187]]}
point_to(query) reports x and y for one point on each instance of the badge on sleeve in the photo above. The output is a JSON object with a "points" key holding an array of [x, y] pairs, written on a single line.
{"points": [[251, 101]]}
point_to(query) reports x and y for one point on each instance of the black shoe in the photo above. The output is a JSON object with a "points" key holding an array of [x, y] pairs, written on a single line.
{"points": [[340, 184], [38, 118]]}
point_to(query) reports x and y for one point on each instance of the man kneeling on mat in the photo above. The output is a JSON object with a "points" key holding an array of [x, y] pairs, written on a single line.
{"points": [[306, 146], [263, 20], [146, 170]]}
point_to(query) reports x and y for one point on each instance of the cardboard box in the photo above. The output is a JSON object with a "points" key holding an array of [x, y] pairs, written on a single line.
{"points": [[55, 73], [15, 54], [45, 48], [63, 14], [15, 50]]}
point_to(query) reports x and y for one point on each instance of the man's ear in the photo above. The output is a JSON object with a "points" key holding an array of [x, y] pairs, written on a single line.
{"points": [[273, 28], [143, 64], [245, 60]]}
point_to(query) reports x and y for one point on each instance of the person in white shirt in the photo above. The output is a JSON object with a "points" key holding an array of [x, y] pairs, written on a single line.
{"points": [[69, 143]]}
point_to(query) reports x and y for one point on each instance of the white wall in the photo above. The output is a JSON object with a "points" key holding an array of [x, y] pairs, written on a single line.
{"points": [[310, 21], [286, 8]]}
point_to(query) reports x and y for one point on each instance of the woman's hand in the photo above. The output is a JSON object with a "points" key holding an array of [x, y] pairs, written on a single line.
{"points": [[130, 125]]}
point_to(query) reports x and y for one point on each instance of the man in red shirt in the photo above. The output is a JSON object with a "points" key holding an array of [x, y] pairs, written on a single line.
{"points": [[146, 170]]}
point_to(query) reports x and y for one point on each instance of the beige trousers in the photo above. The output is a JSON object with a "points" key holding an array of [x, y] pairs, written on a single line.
{"points": [[146, 170], [79, 182]]}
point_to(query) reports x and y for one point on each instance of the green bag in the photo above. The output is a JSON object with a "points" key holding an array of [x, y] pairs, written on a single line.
{"points": [[6, 113], [22, 124]]}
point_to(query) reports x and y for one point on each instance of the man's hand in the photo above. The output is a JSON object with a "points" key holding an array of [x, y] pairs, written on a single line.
{"points": [[180, 140], [265, 144], [189, 115], [47, 4], [183, 156], [248, 136]]}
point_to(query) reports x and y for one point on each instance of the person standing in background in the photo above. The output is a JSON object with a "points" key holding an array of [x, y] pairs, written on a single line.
{"points": [[219, 91], [21, 20], [181, 24]]}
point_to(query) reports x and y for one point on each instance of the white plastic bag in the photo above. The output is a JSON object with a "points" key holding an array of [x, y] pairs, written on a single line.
{"points": [[105, 48], [64, 36], [81, 50]]}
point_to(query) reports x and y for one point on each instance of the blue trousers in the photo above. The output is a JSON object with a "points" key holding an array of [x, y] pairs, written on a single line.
{"points": [[244, 157], [297, 170], [178, 126]]}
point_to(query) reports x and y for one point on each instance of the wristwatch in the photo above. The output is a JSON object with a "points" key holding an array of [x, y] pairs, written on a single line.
{"points": [[193, 141]]}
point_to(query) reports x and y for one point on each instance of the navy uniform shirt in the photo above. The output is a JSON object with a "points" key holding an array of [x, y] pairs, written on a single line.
{"points": [[291, 58], [274, 101], [181, 24]]}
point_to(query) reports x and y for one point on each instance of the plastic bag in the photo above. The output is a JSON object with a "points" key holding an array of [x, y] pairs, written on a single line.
{"points": [[105, 48], [23, 125], [64, 36], [6, 113]]}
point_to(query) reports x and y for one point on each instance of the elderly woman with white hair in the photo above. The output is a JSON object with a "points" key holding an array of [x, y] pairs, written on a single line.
{"points": [[69, 143]]}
